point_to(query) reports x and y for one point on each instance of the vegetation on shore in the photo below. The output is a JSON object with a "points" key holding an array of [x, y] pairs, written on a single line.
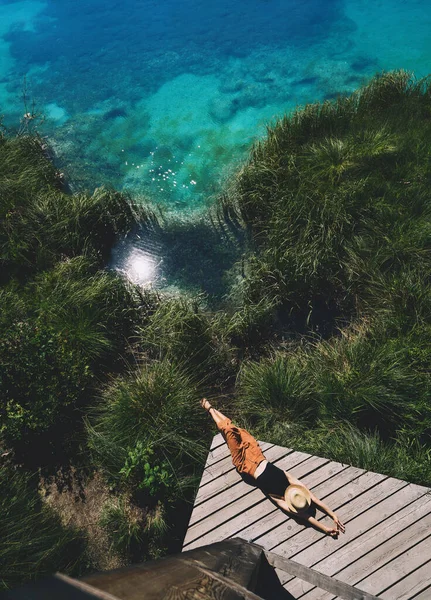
{"points": [[322, 342]]}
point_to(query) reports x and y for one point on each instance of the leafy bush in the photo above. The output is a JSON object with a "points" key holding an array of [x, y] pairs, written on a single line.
{"points": [[60, 332], [42, 381], [142, 471]]}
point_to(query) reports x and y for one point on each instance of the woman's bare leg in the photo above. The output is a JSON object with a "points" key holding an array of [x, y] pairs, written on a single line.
{"points": [[217, 416]]}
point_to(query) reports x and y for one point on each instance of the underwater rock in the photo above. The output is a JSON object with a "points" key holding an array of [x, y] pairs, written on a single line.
{"points": [[114, 113], [223, 109], [233, 85], [254, 95]]}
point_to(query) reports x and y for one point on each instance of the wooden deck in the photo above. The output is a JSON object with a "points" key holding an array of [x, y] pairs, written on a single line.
{"points": [[386, 550]]}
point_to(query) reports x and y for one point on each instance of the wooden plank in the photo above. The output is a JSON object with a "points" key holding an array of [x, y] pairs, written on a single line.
{"points": [[217, 468], [384, 553], [218, 450], [221, 484], [318, 579], [375, 559], [235, 559], [300, 588], [217, 454], [273, 517], [399, 567], [373, 488], [276, 533], [300, 537], [241, 489], [235, 516], [206, 589], [394, 514], [425, 595], [217, 440], [411, 585], [324, 547]]}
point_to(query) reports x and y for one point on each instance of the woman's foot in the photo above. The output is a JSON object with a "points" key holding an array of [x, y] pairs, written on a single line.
{"points": [[205, 404]]}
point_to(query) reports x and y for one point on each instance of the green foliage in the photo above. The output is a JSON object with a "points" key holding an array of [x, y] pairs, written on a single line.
{"points": [[60, 332], [364, 377], [335, 198], [134, 534], [277, 389], [155, 405], [41, 224], [33, 542], [250, 326], [182, 331], [41, 382], [404, 458], [142, 470]]}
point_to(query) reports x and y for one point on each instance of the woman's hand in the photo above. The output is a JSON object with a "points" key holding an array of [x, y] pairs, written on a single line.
{"points": [[338, 524], [332, 532]]}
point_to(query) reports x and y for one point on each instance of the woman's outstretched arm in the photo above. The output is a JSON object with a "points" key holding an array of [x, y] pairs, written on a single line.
{"points": [[332, 531], [324, 508], [304, 518]]}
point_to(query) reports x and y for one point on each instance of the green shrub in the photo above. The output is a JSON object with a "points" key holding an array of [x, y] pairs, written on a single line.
{"points": [[42, 381], [142, 471], [367, 379], [41, 224], [157, 406], [335, 198], [33, 542], [60, 332], [277, 389], [182, 331], [98, 309]]}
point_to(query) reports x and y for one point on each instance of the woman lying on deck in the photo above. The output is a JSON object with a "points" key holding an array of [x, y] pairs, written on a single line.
{"points": [[282, 487]]}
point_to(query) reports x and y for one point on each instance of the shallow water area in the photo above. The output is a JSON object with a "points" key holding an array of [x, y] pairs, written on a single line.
{"points": [[164, 99]]}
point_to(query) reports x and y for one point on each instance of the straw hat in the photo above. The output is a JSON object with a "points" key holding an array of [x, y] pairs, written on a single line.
{"points": [[297, 498]]}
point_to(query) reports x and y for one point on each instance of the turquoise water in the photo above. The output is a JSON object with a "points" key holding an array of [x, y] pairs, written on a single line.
{"points": [[164, 98]]}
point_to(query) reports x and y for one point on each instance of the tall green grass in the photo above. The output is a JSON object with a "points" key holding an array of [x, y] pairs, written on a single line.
{"points": [[403, 458], [60, 333], [185, 332], [336, 197], [363, 377], [41, 223], [155, 405], [33, 542]]}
